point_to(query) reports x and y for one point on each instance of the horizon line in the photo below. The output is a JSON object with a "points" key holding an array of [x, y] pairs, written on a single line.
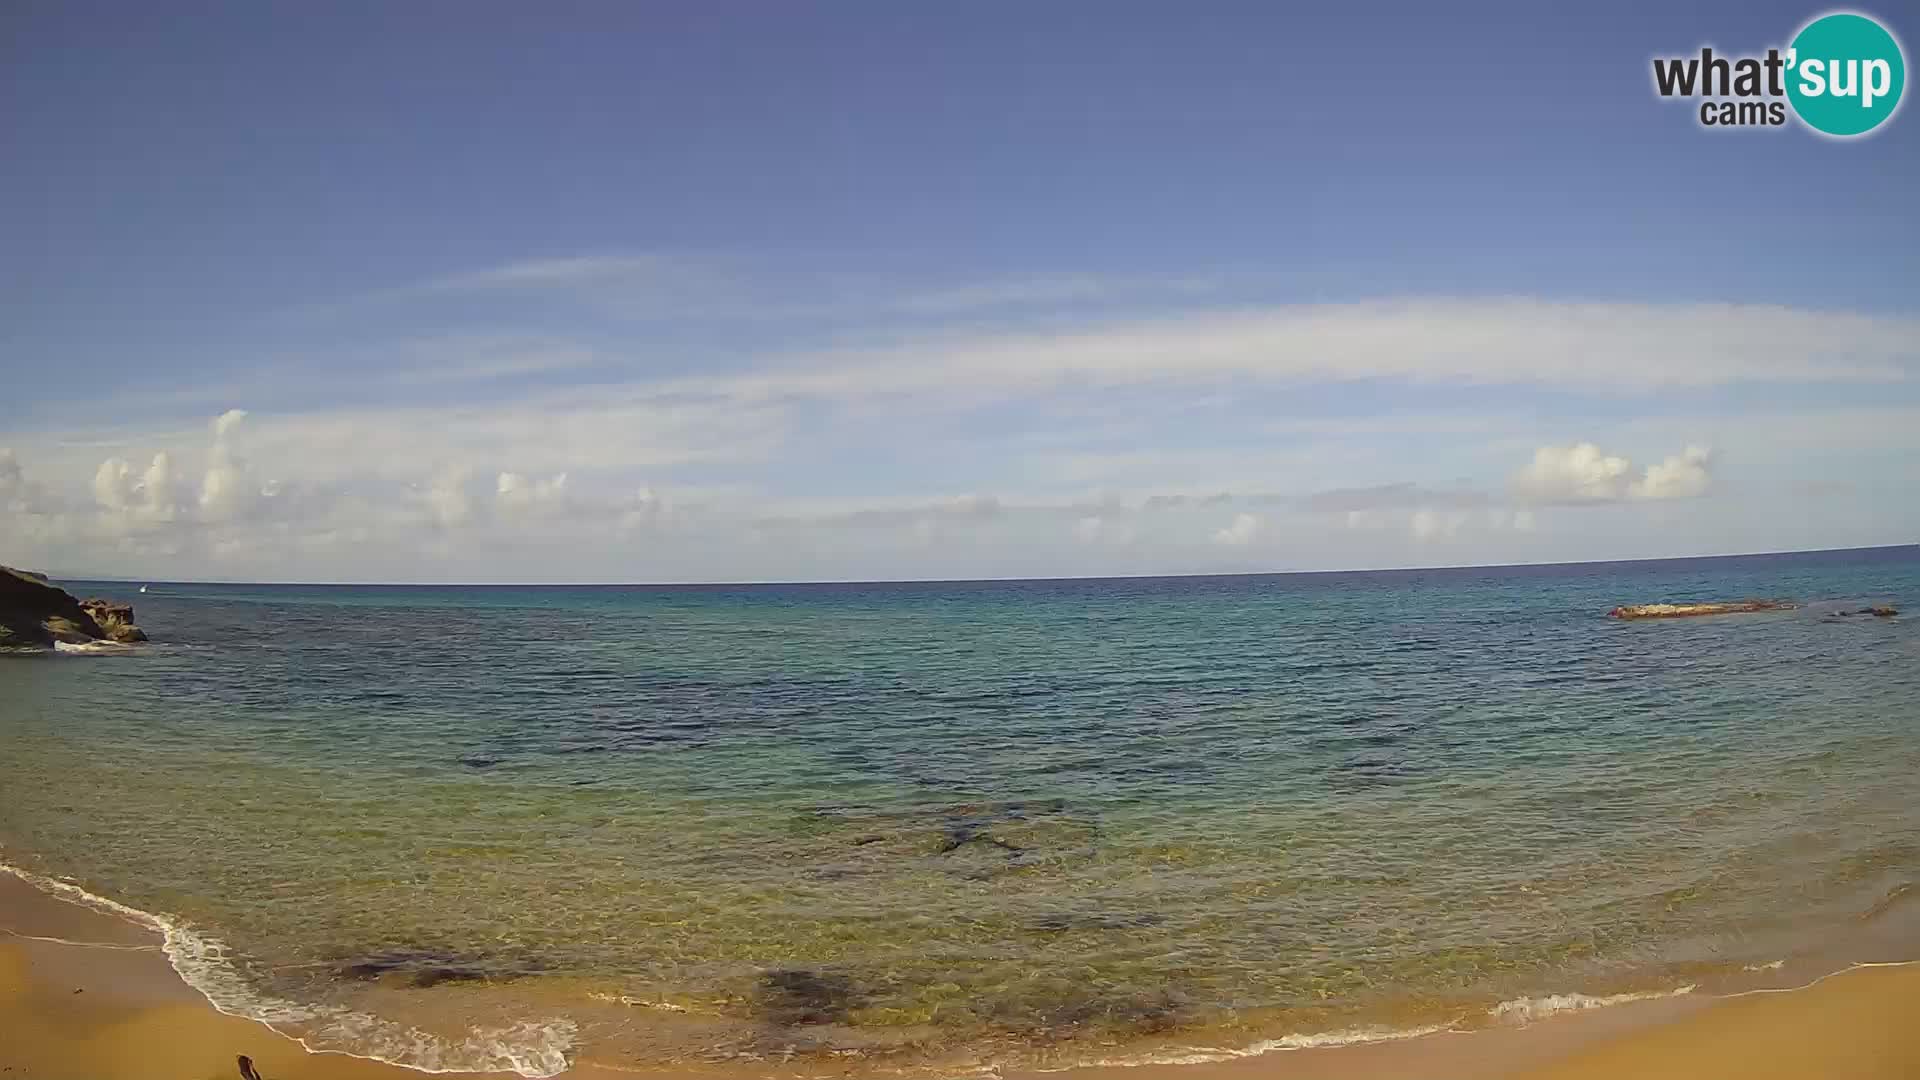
{"points": [[120, 579]]}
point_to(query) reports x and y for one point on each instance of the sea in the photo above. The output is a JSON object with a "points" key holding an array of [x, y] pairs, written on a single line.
{"points": [[949, 827]]}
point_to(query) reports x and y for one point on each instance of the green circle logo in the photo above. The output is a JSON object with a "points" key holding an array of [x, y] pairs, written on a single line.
{"points": [[1844, 74]]}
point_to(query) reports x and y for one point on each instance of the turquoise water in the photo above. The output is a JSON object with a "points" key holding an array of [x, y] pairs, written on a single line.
{"points": [[967, 822]]}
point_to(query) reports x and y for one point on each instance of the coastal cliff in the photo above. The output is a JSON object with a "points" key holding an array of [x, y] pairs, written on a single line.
{"points": [[36, 614]]}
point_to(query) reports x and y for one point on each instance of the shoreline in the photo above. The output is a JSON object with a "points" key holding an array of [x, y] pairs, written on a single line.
{"points": [[93, 985]]}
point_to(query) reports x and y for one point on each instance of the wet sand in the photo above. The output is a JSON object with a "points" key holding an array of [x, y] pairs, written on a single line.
{"points": [[88, 996]]}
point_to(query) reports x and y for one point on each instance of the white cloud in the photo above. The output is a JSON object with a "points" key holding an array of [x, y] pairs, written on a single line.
{"points": [[1613, 347], [1161, 435], [151, 498], [1240, 532], [224, 424], [559, 272], [18, 494], [1682, 476], [113, 484], [1573, 474], [1583, 473], [225, 488], [1610, 346], [514, 493], [447, 500], [157, 487]]}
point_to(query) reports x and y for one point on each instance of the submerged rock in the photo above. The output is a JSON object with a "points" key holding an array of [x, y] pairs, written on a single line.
{"points": [[422, 968], [971, 839], [801, 996], [1676, 611]]}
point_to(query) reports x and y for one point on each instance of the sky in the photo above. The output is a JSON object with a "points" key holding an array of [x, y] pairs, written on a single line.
{"points": [[478, 292]]}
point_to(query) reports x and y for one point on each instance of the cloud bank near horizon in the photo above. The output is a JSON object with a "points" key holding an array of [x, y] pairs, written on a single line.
{"points": [[971, 443]]}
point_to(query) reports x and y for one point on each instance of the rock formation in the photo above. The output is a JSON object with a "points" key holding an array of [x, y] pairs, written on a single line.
{"points": [[35, 614], [115, 620], [1675, 611]]}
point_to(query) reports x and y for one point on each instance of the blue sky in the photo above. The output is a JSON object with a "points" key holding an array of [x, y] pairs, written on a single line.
{"points": [[732, 291]]}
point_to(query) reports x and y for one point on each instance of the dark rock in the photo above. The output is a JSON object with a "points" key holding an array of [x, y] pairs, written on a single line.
{"points": [[1677, 611], [963, 833], [35, 614], [971, 839], [419, 969], [801, 996], [24, 634], [1092, 1012], [115, 620]]}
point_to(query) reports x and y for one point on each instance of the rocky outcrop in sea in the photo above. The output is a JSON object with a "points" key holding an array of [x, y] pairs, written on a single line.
{"points": [[35, 614]]}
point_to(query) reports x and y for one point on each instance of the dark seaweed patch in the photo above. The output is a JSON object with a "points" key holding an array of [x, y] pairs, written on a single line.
{"points": [[795, 996], [422, 968]]}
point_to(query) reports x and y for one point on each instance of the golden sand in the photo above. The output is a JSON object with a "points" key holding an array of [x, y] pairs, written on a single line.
{"points": [[87, 996]]}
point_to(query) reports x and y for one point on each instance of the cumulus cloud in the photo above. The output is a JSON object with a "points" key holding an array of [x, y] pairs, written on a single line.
{"points": [[150, 497], [224, 424], [515, 494], [113, 484], [447, 501], [1682, 476], [18, 494], [225, 489], [1583, 473], [1240, 532], [157, 487]]}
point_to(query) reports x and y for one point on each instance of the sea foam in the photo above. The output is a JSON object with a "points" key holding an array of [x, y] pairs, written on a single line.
{"points": [[1528, 1009], [1201, 1055], [532, 1049], [85, 648]]}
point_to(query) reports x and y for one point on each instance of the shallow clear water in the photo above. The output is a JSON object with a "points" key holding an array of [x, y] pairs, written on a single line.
{"points": [[991, 821]]}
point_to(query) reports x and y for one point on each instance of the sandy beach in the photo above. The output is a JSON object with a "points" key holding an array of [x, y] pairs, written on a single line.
{"points": [[88, 996]]}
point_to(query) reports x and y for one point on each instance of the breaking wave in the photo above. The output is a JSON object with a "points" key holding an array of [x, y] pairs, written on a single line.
{"points": [[1528, 1009], [531, 1049]]}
